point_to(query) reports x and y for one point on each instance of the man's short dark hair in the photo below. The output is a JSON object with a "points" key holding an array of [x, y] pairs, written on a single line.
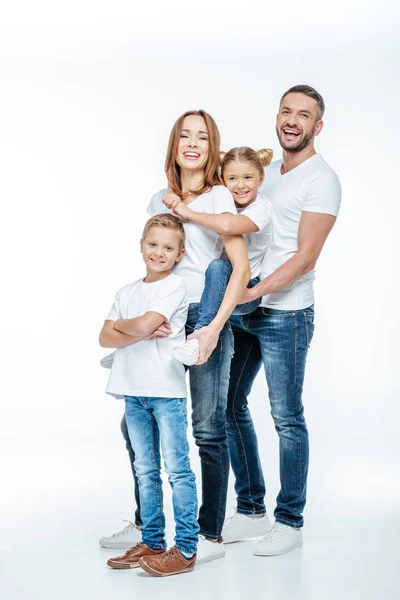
{"points": [[309, 91]]}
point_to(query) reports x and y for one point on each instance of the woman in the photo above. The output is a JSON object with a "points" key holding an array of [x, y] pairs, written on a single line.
{"points": [[192, 169]]}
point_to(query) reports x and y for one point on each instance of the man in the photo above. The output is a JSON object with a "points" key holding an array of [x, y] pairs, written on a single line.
{"points": [[305, 194]]}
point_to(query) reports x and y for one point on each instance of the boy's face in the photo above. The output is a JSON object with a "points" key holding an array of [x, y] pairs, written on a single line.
{"points": [[160, 249]]}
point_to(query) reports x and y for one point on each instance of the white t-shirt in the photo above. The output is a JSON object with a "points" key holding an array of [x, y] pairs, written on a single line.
{"points": [[312, 186], [147, 368], [202, 245], [257, 243]]}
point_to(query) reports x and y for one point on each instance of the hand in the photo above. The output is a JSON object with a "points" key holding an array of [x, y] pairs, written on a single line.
{"points": [[248, 296], [182, 211], [208, 339], [171, 200], [163, 331]]}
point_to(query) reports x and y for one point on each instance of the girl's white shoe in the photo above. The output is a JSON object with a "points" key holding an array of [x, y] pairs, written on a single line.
{"points": [[188, 354]]}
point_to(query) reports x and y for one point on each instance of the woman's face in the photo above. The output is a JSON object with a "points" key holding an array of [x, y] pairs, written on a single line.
{"points": [[243, 180], [192, 153]]}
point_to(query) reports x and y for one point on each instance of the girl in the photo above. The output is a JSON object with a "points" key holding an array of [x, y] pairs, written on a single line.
{"points": [[242, 172]]}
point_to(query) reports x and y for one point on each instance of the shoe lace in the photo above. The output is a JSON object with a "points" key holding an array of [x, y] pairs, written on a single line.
{"points": [[169, 555], [125, 530], [274, 533]]}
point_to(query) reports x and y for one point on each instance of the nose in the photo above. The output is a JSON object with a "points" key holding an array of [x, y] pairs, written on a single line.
{"points": [[193, 142], [240, 184], [158, 251]]}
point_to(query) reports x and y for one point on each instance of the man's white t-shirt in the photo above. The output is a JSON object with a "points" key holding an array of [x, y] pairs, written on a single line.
{"points": [[257, 243], [202, 245], [147, 368], [313, 187]]}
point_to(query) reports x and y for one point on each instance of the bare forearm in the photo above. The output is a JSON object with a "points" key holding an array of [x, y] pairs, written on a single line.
{"points": [[296, 267], [116, 339], [225, 223], [136, 327]]}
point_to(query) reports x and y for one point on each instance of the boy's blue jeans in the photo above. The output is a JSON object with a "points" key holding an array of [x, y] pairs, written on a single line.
{"points": [[217, 279], [151, 421]]}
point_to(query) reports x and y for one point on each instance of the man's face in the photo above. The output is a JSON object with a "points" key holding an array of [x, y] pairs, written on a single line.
{"points": [[297, 122]]}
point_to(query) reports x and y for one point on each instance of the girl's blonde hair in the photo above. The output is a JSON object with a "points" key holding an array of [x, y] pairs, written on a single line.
{"points": [[211, 168], [259, 159]]}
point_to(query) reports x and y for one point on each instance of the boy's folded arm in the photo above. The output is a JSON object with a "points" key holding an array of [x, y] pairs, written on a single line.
{"points": [[142, 326], [111, 338]]}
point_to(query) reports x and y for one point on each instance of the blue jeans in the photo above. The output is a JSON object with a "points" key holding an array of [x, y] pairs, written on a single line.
{"points": [[151, 421], [217, 278], [209, 390], [279, 340]]}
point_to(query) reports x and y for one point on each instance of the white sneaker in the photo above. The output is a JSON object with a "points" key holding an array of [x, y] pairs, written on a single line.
{"points": [[279, 540], [239, 528], [125, 539], [207, 550], [188, 354], [107, 361]]}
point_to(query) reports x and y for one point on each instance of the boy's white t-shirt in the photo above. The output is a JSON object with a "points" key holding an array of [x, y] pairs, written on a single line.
{"points": [[147, 368], [202, 245], [260, 213], [312, 186]]}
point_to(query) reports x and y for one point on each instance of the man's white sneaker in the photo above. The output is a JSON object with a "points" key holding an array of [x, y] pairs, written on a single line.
{"points": [[188, 354], [207, 550], [239, 528], [107, 361], [125, 539], [279, 540]]}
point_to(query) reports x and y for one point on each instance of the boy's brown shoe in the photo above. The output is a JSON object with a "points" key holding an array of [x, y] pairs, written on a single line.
{"points": [[130, 560], [169, 563]]}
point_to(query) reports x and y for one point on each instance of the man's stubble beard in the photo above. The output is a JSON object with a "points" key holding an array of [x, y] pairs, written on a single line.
{"points": [[301, 145]]}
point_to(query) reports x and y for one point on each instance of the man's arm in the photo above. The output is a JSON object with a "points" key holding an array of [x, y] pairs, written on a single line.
{"points": [[237, 254], [314, 228]]}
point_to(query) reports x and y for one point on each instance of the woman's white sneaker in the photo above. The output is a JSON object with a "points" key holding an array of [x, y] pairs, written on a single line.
{"points": [[207, 550], [240, 528], [279, 540], [188, 354], [125, 539]]}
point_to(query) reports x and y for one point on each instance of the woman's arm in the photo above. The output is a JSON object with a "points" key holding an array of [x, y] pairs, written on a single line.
{"points": [[225, 223], [237, 254]]}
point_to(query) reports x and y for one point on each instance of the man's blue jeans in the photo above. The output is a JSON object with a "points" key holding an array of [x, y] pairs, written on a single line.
{"points": [[217, 278], [151, 421], [209, 390], [279, 340]]}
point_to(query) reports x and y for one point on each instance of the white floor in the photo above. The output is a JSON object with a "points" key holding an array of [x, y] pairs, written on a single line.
{"points": [[59, 501]]}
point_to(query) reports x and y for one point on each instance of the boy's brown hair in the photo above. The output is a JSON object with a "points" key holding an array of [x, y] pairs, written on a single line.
{"points": [[169, 222]]}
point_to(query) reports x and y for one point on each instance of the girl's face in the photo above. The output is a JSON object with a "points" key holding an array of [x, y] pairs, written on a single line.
{"points": [[192, 153], [243, 180]]}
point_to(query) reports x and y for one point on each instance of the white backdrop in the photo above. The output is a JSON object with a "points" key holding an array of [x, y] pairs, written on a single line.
{"points": [[89, 93]]}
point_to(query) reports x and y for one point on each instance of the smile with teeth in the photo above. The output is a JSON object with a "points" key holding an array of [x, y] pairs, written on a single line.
{"points": [[191, 155], [242, 193], [288, 131], [157, 261]]}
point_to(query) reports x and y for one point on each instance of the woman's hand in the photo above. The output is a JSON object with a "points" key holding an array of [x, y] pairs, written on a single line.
{"points": [[208, 340], [171, 200]]}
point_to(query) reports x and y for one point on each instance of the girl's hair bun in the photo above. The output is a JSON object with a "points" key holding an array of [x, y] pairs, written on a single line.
{"points": [[265, 155]]}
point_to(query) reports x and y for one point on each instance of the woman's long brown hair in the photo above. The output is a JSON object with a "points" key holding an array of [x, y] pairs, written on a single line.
{"points": [[211, 174]]}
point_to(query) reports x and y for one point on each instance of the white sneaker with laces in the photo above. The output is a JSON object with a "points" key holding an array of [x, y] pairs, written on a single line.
{"points": [[188, 354], [125, 539], [207, 550], [107, 361], [240, 528], [279, 540]]}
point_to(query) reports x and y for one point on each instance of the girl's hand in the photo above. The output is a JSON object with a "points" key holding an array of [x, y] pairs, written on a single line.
{"points": [[171, 200], [182, 211], [208, 340]]}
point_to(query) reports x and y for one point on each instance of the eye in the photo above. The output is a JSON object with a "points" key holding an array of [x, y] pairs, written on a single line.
{"points": [[304, 115], [169, 248], [249, 177], [231, 178], [204, 138], [285, 112], [152, 244], [184, 136]]}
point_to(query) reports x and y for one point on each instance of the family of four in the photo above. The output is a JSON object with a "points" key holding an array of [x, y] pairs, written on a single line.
{"points": [[230, 251]]}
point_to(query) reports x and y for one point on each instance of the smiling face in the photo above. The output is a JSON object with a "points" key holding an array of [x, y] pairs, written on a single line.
{"points": [[243, 180], [161, 249], [297, 122], [193, 146]]}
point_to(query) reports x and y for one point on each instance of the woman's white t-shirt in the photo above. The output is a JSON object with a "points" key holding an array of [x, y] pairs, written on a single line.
{"points": [[202, 245], [147, 368]]}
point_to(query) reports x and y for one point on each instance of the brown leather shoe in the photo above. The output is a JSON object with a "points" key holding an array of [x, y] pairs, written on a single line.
{"points": [[130, 560], [169, 563]]}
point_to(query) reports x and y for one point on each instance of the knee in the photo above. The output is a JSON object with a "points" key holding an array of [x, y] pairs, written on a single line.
{"points": [[286, 423], [219, 267]]}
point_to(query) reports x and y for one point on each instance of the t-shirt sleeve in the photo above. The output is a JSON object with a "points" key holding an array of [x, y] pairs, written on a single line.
{"points": [[156, 206], [259, 212], [324, 194], [171, 296], [115, 312], [222, 201]]}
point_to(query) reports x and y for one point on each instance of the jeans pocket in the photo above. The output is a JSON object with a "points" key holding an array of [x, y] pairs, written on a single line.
{"points": [[309, 325]]}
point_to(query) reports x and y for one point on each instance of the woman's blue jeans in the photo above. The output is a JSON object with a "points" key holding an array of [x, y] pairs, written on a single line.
{"points": [[279, 340], [209, 391], [152, 421]]}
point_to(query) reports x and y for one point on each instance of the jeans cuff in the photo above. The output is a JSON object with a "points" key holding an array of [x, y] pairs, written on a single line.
{"points": [[184, 549], [293, 524], [261, 511], [155, 546]]}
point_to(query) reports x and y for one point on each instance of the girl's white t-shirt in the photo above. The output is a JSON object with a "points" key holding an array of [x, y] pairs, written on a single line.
{"points": [[147, 368], [260, 213], [313, 187], [202, 245]]}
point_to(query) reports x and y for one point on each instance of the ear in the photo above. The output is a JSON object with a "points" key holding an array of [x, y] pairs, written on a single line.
{"points": [[181, 253], [319, 127], [141, 246]]}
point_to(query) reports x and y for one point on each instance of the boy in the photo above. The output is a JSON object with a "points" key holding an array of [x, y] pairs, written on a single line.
{"points": [[153, 385]]}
